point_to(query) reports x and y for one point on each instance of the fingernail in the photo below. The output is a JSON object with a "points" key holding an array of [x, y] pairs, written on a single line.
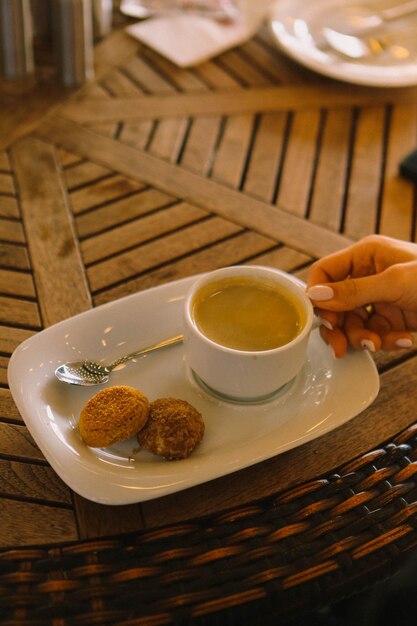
{"points": [[320, 292], [367, 344], [325, 323], [404, 343]]}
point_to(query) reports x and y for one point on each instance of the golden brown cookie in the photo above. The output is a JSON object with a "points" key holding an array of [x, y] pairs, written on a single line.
{"points": [[113, 414], [174, 428]]}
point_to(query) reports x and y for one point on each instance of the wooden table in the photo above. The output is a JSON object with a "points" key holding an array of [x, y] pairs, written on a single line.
{"points": [[152, 173]]}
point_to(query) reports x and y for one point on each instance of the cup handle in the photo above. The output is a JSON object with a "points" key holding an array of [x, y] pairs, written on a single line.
{"points": [[316, 322]]}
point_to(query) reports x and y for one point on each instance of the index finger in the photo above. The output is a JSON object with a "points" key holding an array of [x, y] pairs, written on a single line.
{"points": [[332, 268]]}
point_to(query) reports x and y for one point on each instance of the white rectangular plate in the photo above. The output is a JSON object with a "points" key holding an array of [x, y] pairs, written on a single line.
{"points": [[326, 394]]}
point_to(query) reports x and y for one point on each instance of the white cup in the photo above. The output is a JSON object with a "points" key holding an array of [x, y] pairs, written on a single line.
{"points": [[246, 375]]}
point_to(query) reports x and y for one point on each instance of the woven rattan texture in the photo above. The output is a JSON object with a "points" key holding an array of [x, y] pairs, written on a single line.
{"points": [[274, 559]]}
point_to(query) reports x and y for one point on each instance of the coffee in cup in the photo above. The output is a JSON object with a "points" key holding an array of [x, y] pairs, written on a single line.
{"points": [[247, 313]]}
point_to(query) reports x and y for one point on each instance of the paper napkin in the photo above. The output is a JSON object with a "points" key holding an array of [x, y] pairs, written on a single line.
{"points": [[188, 40]]}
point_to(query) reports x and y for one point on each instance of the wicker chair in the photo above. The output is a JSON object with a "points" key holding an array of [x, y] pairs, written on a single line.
{"points": [[263, 563]]}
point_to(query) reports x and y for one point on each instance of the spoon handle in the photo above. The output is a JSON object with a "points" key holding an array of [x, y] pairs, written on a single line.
{"points": [[156, 346]]}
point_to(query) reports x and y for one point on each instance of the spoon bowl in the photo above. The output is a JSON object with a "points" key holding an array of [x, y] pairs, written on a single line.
{"points": [[85, 373]]}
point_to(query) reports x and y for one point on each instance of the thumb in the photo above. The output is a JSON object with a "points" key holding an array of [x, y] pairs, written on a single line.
{"points": [[351, 293]]}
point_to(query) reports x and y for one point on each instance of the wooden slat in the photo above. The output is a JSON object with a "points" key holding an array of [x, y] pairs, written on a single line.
{"points": [[265, 159], [133, 133], [133, 262], [121, 211], [201, 142], [8, 207], [242, 69], [168, 138], [297, 175], [16, 441], [231, 102], [16, 121], [102, 192], [134, 233], [14, 256], [232, 151], [93, 89], [6, 183], [118, 84], [240, 248], [366, 174], [274, 66], [168, 134], [137, 133], [112, 51], [3, 371], [98, 520], [11, 231], [10, 338], [8, 409], [19, 311], [145, 77], [282, 258], [397, 205], [24, 523], [84, 173], [327, 201], [198, 150], [4, 162], [108, 129], [180, 78], [67, 158], [44, 485], [50, 232], [16, 283], [230, 204], [215, 76]]}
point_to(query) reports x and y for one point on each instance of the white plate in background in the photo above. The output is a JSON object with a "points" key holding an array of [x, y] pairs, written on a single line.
{"points": [[296, 27]]}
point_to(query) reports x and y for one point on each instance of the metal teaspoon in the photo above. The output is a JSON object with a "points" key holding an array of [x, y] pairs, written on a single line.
{"points": [[88, 373]]}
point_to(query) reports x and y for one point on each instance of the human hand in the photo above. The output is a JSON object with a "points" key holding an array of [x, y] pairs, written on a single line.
{"points": [[366, 295]]}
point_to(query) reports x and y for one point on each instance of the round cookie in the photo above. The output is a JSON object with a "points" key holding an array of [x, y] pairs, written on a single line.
{"points": [[174, 428], [113, 414]]}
